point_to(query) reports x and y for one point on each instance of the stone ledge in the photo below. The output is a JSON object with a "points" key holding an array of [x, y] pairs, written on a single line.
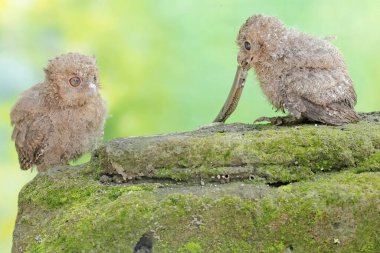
{"points": [[286, 189], [238, 151]]}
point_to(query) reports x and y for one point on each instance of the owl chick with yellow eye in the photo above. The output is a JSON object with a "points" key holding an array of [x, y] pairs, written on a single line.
{"points": [[61, 118]]}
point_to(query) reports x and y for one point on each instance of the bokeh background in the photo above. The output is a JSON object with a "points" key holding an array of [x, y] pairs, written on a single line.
{"points": [[165, 65]]}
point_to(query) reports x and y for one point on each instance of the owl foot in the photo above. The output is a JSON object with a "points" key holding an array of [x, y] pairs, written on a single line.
{"points": [[280, 121]]}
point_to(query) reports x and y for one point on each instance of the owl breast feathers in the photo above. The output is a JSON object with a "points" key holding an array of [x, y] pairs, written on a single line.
{"points": [[61, 118]]}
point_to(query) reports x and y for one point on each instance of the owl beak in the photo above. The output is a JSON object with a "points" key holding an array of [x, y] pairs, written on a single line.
{"points": [[234, 95], [92, 86], [93, 89]]}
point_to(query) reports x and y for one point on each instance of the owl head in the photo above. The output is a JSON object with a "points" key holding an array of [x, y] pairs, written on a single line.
{"points": [[258, 37], [72, 79]]}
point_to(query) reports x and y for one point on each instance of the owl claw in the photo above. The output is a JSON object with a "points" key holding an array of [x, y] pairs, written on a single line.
{"points": [[279, 121]]}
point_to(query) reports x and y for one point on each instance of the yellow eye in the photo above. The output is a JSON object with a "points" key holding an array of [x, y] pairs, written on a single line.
{"points": [[75, 81]]}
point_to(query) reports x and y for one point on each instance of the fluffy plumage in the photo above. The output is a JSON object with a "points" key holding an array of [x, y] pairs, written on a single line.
{"points": [[61, 118], [298, 72]]}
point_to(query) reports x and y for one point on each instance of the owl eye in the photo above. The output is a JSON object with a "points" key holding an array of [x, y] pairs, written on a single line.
{"points": [[75, 81], [95, 78], [247, 45]]}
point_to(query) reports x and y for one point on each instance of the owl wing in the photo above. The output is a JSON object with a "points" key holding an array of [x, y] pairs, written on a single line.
{"points": [[30, 130], [306, 51], [321, 86], [324, 95]]}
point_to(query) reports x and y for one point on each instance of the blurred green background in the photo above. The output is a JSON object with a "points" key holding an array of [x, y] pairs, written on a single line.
{"points": [[164, 65]]}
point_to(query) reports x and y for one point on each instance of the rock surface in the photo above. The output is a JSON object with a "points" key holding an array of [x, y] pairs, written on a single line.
{"points": [[223, 188]]}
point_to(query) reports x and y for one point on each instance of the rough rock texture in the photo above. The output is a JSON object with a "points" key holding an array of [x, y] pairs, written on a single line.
{"points": [[225, 188]]}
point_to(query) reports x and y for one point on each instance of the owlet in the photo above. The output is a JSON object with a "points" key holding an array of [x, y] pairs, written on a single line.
{"points": [[61, 118], [305, 75]]}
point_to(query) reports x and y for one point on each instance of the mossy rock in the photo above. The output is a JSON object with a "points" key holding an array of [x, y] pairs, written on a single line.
{"points": [[225, 188], [239, 151]]}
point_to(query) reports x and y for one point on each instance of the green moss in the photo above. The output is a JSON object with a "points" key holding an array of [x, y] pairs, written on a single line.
{"points": [[283, 154], [191, 247], [176, 175], [305, 216], [275, 173], [38, 248], [54, 194], [50, 194], [204, 173], [372, 163]]}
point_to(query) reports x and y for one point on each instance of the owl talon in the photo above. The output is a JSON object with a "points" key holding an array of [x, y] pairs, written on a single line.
{"points": [[279, 121], [276, 121]]}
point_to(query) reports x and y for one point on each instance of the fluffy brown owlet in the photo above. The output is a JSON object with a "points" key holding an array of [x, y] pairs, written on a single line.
{"points": [[61, 118], [304, 75]]}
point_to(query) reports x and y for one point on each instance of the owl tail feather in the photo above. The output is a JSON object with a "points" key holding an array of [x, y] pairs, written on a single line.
{"points": [[333, 114]]}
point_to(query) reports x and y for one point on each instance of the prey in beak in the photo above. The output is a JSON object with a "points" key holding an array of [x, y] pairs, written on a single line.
{"points": [[247, 56], [234, 96]]}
